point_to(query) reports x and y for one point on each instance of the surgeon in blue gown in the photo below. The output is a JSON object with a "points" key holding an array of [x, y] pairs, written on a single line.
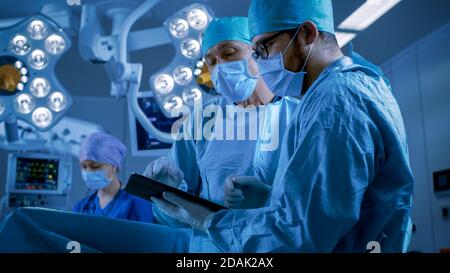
{"points": [[201, 165], [343, 179], [101, 157]]}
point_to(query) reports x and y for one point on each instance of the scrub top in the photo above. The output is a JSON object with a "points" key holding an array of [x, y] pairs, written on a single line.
{"points": [[123, 206], [206, 163]]}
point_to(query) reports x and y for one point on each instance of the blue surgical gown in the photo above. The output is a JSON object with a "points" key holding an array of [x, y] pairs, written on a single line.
{"points": [[207, 163], [123, 206], [343, 177]]}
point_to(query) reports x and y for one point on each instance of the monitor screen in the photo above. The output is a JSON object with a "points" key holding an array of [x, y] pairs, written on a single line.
{"points": [[145, 141], [36, 174]]}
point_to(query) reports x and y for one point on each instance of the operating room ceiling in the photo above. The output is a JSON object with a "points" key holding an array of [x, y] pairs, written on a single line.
{"points": [[405, 24]]}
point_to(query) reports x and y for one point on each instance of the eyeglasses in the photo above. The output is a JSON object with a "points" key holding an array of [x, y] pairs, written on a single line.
{"points": [[261, 50]]}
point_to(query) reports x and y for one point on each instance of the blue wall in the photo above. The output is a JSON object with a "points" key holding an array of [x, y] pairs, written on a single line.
{"points": [[420, 76]]}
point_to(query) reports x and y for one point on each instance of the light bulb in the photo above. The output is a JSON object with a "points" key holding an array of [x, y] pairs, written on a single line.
{"points": [[163, 83], [197, 19], [24, 103], [182, 75], [20, 45], [42, 117], [38, 59], [172, 103], [179, 28], [37, 29], [40, 87], [190, 48], [57, 101], [191, 95], [55, 44]]}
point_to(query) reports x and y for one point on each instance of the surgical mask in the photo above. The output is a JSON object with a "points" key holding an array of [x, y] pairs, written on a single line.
{"points": [[280, 81], [234, 81], [96, 180]]}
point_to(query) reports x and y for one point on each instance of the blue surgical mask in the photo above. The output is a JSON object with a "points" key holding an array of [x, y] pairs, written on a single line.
{"points": [[234, 81], [280, 81], [96, 180]]}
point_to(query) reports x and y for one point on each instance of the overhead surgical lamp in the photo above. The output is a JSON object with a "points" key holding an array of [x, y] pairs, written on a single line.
{"points": [[29, 89], [175, 85]]}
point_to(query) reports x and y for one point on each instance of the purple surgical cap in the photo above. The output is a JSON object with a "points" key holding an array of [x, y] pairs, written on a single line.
{"points": [[103, 148]]}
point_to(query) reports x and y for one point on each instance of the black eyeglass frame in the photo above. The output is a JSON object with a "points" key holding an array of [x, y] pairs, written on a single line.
{"points": [[261, 50]]}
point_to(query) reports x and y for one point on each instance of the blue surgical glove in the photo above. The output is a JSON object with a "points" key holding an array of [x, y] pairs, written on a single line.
{"points": [[165, 171], [184, 211], [245, 192]]}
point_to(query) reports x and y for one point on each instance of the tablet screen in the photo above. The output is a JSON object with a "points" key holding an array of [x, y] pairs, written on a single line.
{"points": [[146, 188]]}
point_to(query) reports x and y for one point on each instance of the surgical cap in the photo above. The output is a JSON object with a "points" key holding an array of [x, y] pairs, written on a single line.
{"points": [[225, 29], [103, 148], [274, 15]]}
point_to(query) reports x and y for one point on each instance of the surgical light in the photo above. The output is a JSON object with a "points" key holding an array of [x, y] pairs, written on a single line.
{"points": [[24, 104], [20, 45], [191, 95], [18, 64], [20, 86], [24, 79], [172, 103], [40, 87], [164, 83], [197, 72], [197, 19], [199, 64], [55, 44], [182, 75], [179, 28], [29, 89], [42, 117], [38, 59], [175, 85], [57, 101], [37, 29], [190, 48]]}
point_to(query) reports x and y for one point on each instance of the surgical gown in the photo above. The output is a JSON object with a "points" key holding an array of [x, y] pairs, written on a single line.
{"points": [[123, 206], [343, 177], [207, 163]]}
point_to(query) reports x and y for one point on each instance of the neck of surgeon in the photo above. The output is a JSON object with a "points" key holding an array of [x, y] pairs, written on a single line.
{"points": [[106, 194], [319, 60], [312, 52]]}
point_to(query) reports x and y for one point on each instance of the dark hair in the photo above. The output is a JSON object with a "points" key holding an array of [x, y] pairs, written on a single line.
{"points": [[329, 39]]}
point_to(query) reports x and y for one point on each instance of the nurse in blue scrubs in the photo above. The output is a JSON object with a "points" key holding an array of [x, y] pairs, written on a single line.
{"points": [[101, 156]]}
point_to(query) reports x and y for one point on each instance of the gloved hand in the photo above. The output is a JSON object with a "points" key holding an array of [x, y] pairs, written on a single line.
{"points": [[164, 171], [184, 211], [245, 192]]}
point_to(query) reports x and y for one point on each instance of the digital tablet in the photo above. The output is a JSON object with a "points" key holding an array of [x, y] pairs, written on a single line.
{"points": [[146, 188]]}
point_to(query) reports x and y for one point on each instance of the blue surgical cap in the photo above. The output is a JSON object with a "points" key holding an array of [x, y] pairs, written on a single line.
{"points": [[274, 15], [225, 29], [103, 148]]}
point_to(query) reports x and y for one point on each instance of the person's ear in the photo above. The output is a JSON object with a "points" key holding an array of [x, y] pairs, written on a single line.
{"points": [[112, 171], [308, 33]]}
